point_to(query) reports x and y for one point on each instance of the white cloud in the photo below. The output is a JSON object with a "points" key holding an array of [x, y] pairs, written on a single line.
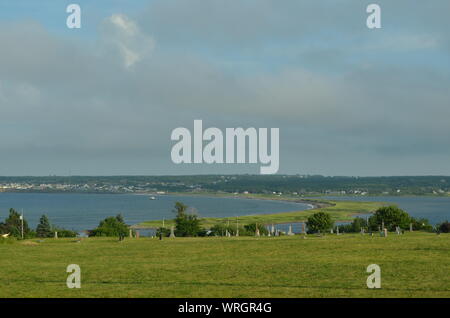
{"points": [[121, 32]]}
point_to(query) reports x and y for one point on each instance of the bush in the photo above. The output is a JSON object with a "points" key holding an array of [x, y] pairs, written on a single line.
{"points": [[346, 228], [354, 227], [221, 229], [186, 224], [392, 216], [165, 232], [444, 227], [111, 226], [65, 233], [421, 225], [45, 229], [319, 222], [250, 229]]}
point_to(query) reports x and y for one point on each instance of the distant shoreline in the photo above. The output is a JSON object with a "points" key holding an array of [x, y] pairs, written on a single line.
{"points": [[210, 194]]}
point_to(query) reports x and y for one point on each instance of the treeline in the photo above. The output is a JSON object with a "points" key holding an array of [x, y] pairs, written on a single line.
{"points": [[391, 218], [188, 224], [301, 184], [16, 226]]}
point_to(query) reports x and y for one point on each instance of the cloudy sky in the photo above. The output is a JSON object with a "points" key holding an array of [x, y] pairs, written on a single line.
{"points": [[103, 99]]}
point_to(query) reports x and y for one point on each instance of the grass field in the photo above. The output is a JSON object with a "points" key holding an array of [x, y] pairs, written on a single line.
{"points": [[412, 265], [339, 211]]}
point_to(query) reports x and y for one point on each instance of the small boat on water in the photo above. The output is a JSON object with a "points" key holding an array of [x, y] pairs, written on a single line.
{"points": [[152, 198]]}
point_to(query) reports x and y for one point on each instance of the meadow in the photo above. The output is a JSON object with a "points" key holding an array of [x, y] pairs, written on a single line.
{"points": [[412, 265]]}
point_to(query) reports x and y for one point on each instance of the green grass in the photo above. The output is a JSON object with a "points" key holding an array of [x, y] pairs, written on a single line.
{"points": [[412, 265], [339, 211]]}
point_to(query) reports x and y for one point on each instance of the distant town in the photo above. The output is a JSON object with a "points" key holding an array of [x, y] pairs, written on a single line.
{"points": [[302, 185]]}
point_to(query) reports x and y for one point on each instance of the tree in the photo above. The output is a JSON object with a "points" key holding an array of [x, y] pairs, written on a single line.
{"points": [[13, 225], [180, 209], [319, 222], [43, 229], [392, 216], [354, 227], [358, 224], [421, 225], [120, 219], [111, 226], [445, 227], [186, 224]]}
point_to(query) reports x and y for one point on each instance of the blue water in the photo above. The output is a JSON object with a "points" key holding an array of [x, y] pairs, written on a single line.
{"points": [[435, 209], [84, 211]]}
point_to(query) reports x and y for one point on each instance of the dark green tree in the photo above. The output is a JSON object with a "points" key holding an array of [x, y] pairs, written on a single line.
{"points": [[164, 232], [186, 224], [120, 219], [319, 222], [111, 226], [358, 224], [421, 225], [392, 216], [180, 209], [44, 229], [13, 225], [444, 227]]}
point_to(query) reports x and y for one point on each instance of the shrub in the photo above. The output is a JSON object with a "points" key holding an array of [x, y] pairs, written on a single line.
{"points": [[221, 229], [392, 216], [355, 226], [65, 233], [421, 225], [165, 232], [319, 222], [445, 227], [250, 229], [186, 224], [111, 226]]}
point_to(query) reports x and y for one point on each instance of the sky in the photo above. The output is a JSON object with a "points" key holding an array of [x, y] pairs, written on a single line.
{"points": [[104, 99]]}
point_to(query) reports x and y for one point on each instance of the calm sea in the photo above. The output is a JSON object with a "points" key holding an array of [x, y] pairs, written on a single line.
{"points": [[84, 211]]}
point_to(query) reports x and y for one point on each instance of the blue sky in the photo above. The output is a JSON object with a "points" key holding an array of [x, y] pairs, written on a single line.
{"points": [[103, 99], [51, 14]]}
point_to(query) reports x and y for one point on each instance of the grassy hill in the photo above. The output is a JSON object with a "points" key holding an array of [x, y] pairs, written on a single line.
{"points": [[412, 265]]}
